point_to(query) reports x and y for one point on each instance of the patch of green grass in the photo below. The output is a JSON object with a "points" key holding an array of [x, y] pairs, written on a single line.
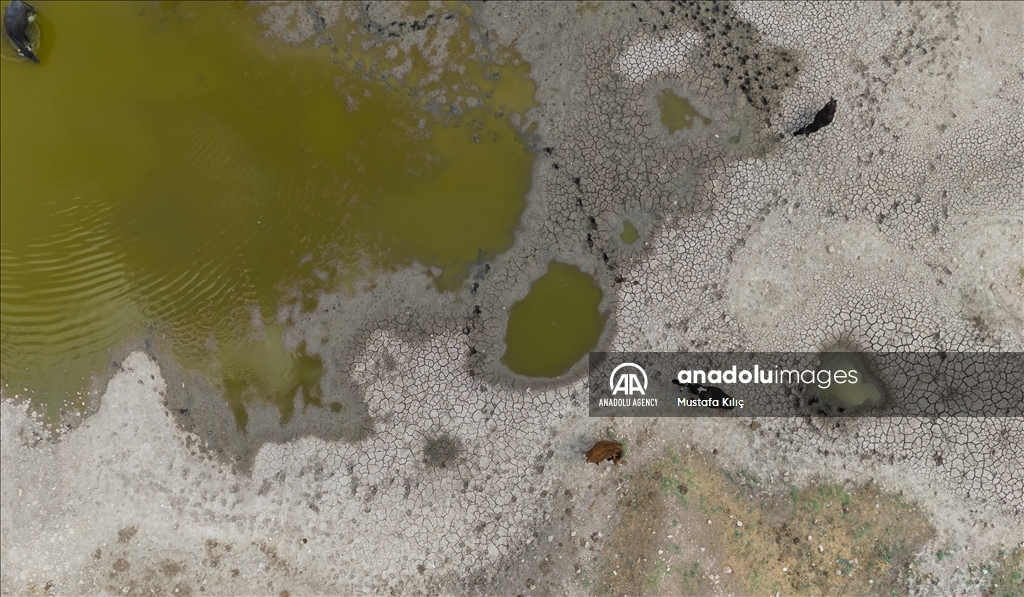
{"points": [[691, 579], [654, 580], [886, 551], [1006, 575], [674, 482]]}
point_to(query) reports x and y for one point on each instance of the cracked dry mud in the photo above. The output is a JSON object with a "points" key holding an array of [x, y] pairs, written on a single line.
{"points": [[897, 227]]}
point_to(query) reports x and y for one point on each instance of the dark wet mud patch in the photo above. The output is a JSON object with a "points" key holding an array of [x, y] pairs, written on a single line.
{"points": [[736, 57], [555, 325], [210, 178], [443, 451]]}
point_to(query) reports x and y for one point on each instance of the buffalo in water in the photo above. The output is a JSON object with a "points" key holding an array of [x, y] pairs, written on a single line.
{"points": [[17, 17], [822, 119]]}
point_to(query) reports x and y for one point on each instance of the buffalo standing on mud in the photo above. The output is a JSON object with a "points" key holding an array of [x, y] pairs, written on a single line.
{"points": [[822, 119], [605, 450]]}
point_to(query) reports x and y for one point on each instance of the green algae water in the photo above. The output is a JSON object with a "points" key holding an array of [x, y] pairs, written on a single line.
{"points": [[629, 233], [677, 113], [555, 325], [168, 173]]}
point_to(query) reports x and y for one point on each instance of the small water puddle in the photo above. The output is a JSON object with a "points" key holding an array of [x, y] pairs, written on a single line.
{"points": [[677, 113], [629, 233], [556, 324]]}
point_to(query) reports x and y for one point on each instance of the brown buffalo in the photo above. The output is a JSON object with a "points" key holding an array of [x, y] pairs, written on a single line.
{"points": [[605, 450]]}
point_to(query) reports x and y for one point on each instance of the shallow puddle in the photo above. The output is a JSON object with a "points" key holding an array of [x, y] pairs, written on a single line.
{"points": [[861, 392], [555, 324], [677, 113], [183, 178], [629, 233]]}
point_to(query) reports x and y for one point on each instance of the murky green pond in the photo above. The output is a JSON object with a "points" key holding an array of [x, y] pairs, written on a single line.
{"points": [[677, 113], [168, 172], [555, 324]]}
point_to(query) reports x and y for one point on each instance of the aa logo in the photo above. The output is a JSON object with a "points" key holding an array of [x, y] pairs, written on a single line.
{"points": [[626, 381]]}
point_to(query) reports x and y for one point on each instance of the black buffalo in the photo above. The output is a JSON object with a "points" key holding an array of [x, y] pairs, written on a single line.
{"points": [[822, 119], [17, 17], [707, 393]]}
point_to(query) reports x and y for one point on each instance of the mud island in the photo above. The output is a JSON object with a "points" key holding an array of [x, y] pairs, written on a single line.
{"points": [[297, 297]]}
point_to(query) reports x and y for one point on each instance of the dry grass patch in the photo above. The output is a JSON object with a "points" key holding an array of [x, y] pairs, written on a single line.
{"points": [[689, 527]]}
